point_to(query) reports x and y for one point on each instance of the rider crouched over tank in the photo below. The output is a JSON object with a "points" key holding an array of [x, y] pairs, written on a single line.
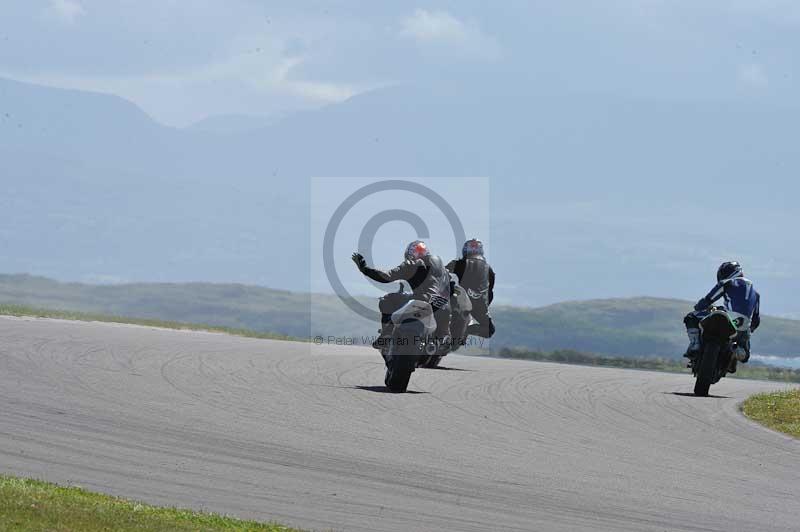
{"points": [[429, 281], [742, 302]]}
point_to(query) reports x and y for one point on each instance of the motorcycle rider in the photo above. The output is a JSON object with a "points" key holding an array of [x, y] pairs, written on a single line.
{"points": [[429, 282], [477, 277], [741, 301]]}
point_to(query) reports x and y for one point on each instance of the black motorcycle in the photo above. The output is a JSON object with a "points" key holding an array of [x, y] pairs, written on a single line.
{"points": [[719, 334]]}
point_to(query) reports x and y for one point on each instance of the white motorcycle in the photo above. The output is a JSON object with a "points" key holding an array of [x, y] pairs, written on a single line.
{"points": [[412, 342]]}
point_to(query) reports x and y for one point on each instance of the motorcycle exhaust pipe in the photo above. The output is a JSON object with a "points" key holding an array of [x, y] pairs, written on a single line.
{"points": [[431, 347]]}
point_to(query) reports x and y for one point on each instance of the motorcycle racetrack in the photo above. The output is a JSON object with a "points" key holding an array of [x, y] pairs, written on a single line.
{"points": [[305, 435]]}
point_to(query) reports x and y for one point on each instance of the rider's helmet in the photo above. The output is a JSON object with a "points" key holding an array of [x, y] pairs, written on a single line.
{"points": [[729, 270], [417, 250], [472, 248]]}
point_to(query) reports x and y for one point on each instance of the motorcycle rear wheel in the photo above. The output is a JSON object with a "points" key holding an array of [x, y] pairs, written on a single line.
{"points": [[708, 366]]}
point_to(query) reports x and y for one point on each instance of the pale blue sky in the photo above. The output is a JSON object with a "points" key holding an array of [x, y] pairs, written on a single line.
{"points": [[183, 61], [631, 145]]}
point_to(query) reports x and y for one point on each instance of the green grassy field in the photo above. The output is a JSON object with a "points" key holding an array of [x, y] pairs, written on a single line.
{"points": [[634, 327], [778, 410], [34, 506]]}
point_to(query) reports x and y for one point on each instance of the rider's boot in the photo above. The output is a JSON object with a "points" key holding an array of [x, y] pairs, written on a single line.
{"points": [[445, 345], [694, 344], [742, 352], [384, 336]]}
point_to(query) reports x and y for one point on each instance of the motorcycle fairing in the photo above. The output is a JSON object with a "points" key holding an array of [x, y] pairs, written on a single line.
{"points": [[415, 309]]}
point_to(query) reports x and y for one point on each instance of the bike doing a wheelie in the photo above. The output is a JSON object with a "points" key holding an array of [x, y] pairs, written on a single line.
{"points": [[416, 326], [408, 338], [719, 337], [722, 346], [433, 348]]}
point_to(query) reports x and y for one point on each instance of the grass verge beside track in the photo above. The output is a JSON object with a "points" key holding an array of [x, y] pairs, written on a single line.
{"points": [[778, 410], [30, 505]]}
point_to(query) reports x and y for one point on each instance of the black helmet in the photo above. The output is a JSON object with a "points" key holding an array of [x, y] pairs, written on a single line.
{"points": [[472, 248], [729, 270]]}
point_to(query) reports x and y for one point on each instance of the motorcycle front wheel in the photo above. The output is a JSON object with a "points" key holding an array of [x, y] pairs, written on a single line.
{"points": [[397, 377], [432, 362]]}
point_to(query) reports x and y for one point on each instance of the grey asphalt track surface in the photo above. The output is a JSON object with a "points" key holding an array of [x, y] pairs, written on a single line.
{"points": [[304, 435]]}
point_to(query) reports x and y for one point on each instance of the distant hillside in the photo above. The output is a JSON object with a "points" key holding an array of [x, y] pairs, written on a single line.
{"points": [[227, 305], [583, 186], [623, 327], [628, 327]]}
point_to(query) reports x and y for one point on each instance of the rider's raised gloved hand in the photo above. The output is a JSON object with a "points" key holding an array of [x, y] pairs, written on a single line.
{"points": [[358, 258]]}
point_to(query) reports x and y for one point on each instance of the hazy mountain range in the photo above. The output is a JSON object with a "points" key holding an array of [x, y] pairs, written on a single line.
{"points": [[592, 196]]}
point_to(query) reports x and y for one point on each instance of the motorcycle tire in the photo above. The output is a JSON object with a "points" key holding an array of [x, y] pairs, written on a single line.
{"points": [[708, 366], [433, 361], [397, 378]]}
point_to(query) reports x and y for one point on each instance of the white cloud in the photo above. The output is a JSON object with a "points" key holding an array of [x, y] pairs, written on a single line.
{"points": [[434, 26], [262, 79], [277, 77], [441, 28], [752, 75], [66, 11]]}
